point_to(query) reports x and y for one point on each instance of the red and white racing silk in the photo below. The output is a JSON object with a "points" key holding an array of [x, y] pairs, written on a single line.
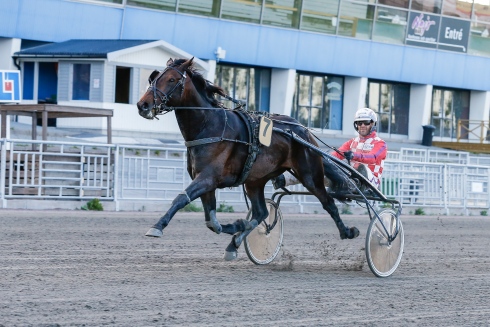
{"points": [[369, 150]]}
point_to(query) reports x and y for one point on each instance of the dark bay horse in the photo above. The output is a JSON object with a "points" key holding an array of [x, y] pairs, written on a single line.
{"points": [[219, 148]]}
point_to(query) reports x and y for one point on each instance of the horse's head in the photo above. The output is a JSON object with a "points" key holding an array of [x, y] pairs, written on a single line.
{"points": [[166, 88]]}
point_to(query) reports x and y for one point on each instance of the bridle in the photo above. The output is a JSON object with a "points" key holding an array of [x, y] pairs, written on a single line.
{"points": [[158, 94]]}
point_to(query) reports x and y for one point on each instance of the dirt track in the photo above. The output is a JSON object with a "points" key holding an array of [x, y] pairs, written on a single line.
{"points": [[97, 268]]}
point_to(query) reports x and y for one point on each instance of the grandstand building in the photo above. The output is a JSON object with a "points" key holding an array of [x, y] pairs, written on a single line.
{"points": [[414, 62]]}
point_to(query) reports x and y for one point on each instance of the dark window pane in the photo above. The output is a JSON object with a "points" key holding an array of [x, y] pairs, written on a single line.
{"points": [[448, 107], [28, 81], [318, 101], [247, 84], [81, 82], [391, 101], [123, 79]]}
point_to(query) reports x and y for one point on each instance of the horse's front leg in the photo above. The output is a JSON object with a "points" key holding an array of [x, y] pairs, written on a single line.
{"points": [[197, 188]]}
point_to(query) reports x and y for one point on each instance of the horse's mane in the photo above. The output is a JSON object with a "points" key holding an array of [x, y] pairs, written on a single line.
{"points": [[205, 87]]}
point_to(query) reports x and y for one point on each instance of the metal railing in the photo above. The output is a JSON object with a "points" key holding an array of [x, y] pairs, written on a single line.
{"points": [[38, 169], [61, 170]]}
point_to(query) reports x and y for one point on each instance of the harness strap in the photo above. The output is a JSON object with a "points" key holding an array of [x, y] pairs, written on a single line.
{"points": [[253, 149], [212, 140]]}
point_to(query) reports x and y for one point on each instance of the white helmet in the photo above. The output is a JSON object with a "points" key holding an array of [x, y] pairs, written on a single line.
{"points": [[365, 114]]}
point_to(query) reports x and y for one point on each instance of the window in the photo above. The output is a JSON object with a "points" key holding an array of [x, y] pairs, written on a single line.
{"points": [[320, 16], [47, 82], [318, 101], [430, 6], [81, 82], [481, 10], [28, 81], [390, 26], [169, 5], [449, 106], [112, 1], [479, 39], [391, 102], [202, 7], [247, 84], [245, 10], [283, 13], [356, 20], [123, 82], [395, 3], [457, 8]]}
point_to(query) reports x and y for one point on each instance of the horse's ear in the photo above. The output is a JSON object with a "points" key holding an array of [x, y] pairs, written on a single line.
{"points": [[187, 64], [153, 76], [170, 61]]}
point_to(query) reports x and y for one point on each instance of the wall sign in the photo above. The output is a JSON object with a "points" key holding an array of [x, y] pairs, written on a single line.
{"points": [[454, 34], [10, 86], [422, 30], [431, 31]]}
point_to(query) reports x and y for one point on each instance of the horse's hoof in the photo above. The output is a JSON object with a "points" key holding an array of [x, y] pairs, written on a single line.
{"points": [[231, 251], [153, 232], [354, 232], [350, 233], [215, 227], [230, 256], [249, 225]]}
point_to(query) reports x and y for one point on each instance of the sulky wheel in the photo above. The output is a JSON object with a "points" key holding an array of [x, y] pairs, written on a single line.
{"points": [[263, 244], [383, 257]]}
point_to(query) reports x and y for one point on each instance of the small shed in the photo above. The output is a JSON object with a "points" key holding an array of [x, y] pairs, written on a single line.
{"points": [[97, 74]]}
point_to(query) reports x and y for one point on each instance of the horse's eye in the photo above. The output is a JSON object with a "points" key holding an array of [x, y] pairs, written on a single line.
{"points": [[172, 80]]}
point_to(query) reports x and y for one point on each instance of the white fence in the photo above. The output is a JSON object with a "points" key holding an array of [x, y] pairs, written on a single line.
{"points": [[61, 170]]}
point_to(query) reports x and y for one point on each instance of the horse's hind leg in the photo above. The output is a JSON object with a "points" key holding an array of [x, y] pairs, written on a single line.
{"points": [[209, 205], [313, 181], [259, 213], [345, 232]]}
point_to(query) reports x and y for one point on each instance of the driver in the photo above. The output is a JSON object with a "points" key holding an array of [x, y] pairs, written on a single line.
{"points": [[366, 152]]}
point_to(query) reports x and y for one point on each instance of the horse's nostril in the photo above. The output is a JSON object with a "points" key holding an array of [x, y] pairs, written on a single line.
{"points": [[143, 105]]}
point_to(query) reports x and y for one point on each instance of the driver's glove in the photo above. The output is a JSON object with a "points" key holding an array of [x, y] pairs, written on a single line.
{"points": [[349, 155]]}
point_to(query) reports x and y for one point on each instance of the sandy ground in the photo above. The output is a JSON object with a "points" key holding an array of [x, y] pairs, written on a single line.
{"points": [[64, 268]]}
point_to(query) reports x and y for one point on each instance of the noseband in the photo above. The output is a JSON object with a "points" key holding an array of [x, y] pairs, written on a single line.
{"points": [[162, 96]]}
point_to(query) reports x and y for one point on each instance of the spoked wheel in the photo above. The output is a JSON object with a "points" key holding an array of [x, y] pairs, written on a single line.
{"points": [[383, 257], [263, 243]]}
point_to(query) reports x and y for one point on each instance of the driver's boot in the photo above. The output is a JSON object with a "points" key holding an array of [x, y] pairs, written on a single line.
{"points": [[362, 169], [279, 182]]}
